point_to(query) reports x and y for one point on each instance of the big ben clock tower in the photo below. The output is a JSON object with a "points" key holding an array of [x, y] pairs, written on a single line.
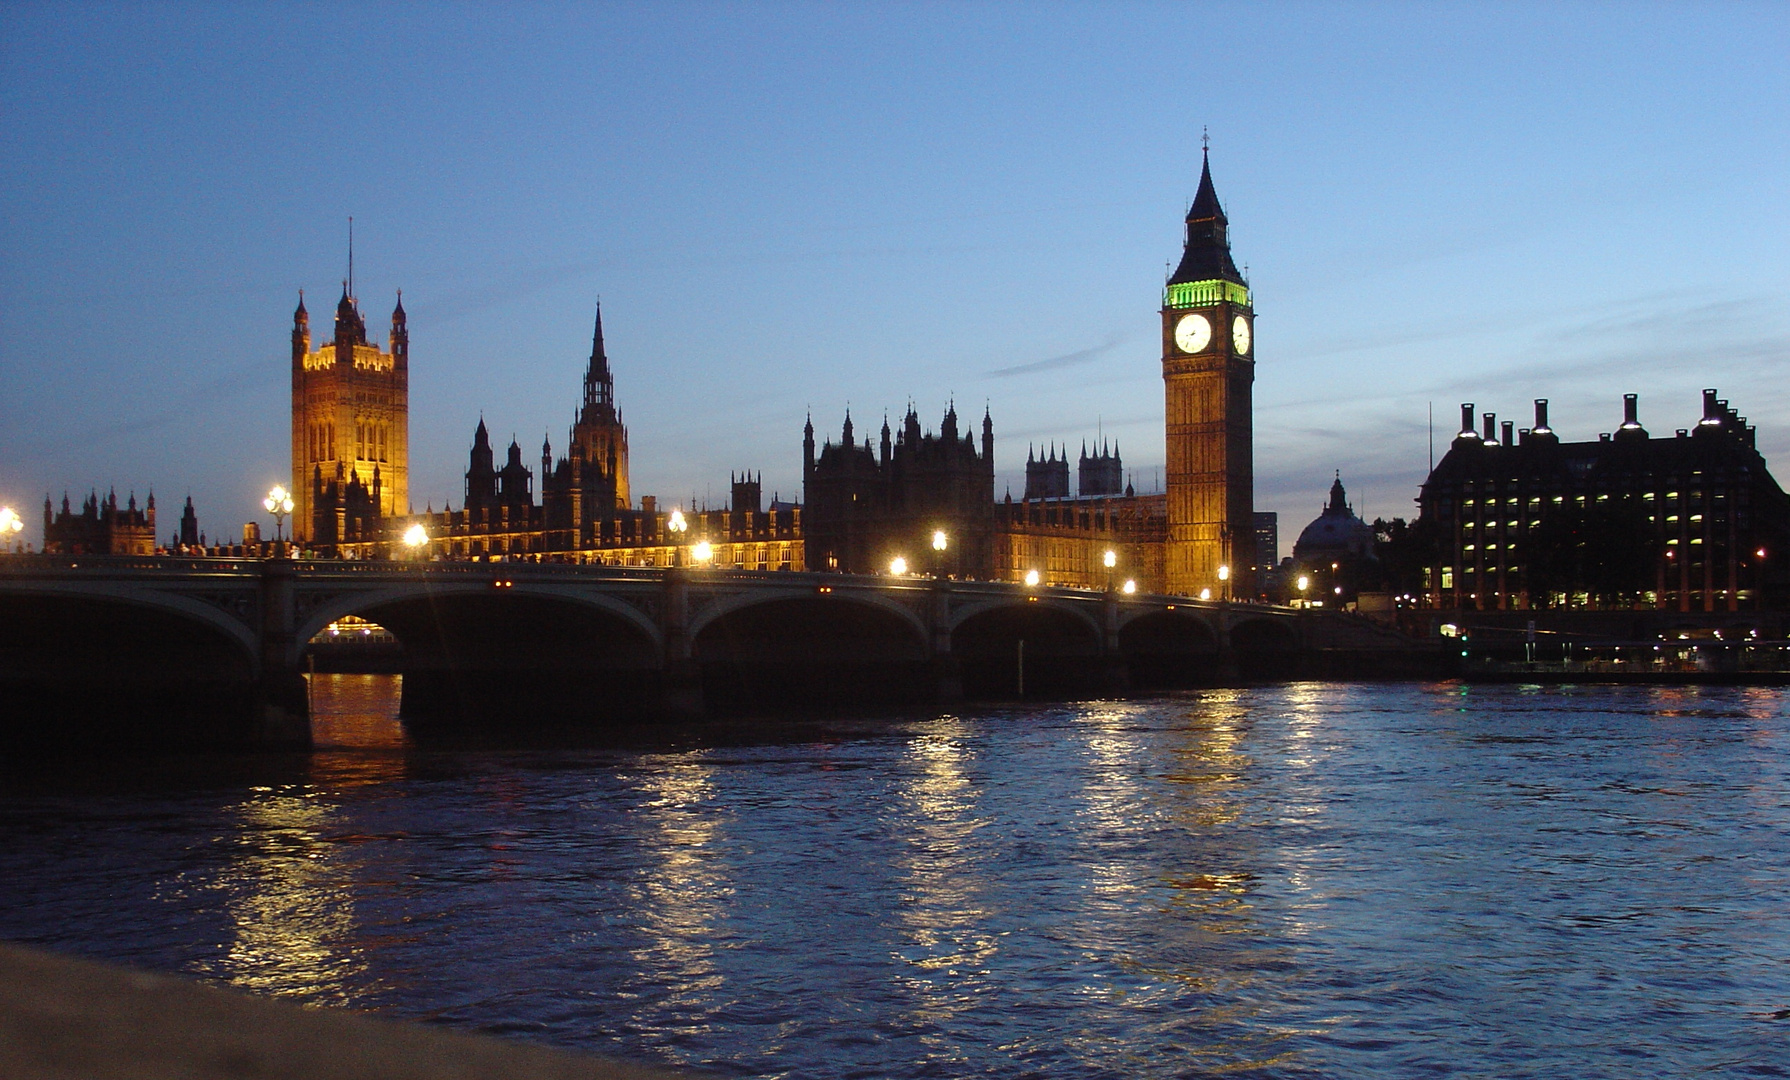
{"points": [[1208, 368]]}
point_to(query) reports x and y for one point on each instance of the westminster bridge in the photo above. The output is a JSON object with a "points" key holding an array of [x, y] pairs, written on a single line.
{"points": [[120, 651]]}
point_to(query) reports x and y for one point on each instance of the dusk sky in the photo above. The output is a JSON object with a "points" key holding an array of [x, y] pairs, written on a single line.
{"points": [[795, 206]]}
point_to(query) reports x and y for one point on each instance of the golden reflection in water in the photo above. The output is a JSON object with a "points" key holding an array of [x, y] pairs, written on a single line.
{"points": [[1208, 919], [356, 711], [293, 915], [943, 923], [679, 899], [355, 730]]}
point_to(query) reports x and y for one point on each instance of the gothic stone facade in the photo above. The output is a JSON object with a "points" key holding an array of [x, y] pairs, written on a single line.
{"points": [[350, 421]]}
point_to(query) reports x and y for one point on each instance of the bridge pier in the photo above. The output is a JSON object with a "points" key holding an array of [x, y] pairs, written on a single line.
{"points": [[1115, 673], [944, 670], [680, 681], [281, 702]]}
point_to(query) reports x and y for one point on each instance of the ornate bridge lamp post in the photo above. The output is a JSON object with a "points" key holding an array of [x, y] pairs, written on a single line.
{"points": [[1109, 560], [702, 551], [416, 539], [678, 527], [939, 543], [279, 504], [1224, 583], [10, 526]]}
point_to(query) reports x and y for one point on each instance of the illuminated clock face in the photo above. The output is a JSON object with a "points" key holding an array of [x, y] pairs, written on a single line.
{"points": [[1240, 335], [1193, 333]]}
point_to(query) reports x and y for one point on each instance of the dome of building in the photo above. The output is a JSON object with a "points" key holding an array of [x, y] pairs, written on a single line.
{"points": [[1337, 530]]}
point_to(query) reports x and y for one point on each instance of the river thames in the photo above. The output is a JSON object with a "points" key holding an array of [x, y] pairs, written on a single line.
{"points": [[1312, 880]]}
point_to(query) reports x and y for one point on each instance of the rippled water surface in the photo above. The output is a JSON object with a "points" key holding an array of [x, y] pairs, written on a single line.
{"points": [[1305, 881]]}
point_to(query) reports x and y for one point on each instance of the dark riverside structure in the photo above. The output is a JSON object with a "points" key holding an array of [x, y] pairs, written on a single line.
{"points": [[166, 652]]}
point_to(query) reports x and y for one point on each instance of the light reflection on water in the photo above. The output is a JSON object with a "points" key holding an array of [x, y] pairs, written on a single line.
{"points": [[1302, 881]]}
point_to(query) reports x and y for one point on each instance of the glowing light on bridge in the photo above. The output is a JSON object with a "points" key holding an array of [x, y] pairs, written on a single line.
{"points": [[279, 504], [703, 551], [11, 525], [1224, 573], [898, 566], [939, 540], [1111, 558], [1031, 577], [416, 536], [1205, 594], [1130, 587]]}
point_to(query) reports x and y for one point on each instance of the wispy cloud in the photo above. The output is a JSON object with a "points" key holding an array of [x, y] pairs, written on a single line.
{"points": [[1066, 360]]}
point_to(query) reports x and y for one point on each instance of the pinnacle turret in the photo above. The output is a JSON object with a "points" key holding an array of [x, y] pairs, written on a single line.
{"points": [[1207, 254]]}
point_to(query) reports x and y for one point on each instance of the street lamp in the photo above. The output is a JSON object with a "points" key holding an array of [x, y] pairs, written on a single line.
{"points": [[415, 537], [1224, 582], [702, 552], [1304, 583], [10, 525], [898, 566], [1129, 587], [939, 542], [1031, 577], [279, 504]]}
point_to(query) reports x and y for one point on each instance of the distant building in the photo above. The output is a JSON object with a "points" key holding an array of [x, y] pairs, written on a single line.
{"points": [[1267, 546], [1208, 375], [1103, 473], [189, 535], [865, 505], [1521, 519], [582, 516], [1336, 531], [350, 420], [1198, 537], [1047, 477], [590, 483], [101, 527]]}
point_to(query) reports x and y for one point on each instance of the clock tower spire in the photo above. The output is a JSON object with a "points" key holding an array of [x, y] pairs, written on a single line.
{"points": [[1208, 373]]}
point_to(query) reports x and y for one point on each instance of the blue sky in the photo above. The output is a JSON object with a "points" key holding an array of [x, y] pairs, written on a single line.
{"points": [[785, 206]]}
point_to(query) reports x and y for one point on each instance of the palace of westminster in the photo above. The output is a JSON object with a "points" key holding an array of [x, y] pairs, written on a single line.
{"points": [[875, 506]]}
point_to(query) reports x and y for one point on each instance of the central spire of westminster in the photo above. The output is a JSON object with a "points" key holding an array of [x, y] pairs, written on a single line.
{"points": [[599, 387]]}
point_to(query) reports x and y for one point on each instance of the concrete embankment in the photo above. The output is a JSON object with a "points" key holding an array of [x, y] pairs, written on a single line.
{"points": [[66, 1019]]}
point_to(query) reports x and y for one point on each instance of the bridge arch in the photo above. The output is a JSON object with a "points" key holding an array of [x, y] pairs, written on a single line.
{"points": [[729, 604], [336, 607], [1166, 649], [523, 655], [1266, 648], [1085, 611], [803, 647], [1061, 655], [238, 628], [111, 667]]}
